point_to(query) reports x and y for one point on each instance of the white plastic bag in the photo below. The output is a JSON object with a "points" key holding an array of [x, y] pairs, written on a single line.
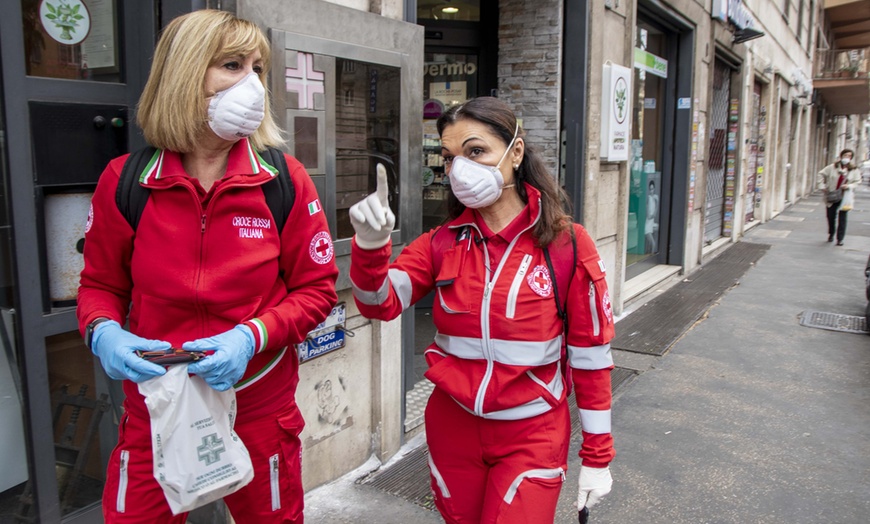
{"points": [[848, 200], [198, 458]]}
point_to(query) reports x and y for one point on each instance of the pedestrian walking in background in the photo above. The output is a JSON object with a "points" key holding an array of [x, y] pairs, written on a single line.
{"points": [[206, 267], [837, 182], [497, 422]]}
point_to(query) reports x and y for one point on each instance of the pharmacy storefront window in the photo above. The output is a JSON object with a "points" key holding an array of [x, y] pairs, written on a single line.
{"points": [[343, 118], [647, 147], [71, 39], [450, 79]]}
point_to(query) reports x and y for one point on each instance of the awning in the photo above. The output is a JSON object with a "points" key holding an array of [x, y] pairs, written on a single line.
{"points": [[850, 23], [845, 96]]}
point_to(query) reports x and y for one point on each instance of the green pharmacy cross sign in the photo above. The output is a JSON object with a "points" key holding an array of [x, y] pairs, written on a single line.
{"points": [[211, 448]]}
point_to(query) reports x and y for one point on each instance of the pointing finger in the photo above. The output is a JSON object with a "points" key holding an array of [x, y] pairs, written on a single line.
{"points": [[383, 186]]}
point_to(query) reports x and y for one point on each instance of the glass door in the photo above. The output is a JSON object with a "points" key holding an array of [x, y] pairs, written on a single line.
{"points": [[651, 106], [451, 79]]}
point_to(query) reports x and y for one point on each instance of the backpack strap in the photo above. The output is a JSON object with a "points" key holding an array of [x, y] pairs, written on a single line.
{"points": [[562, 278], [131, 196], [279, 192]]}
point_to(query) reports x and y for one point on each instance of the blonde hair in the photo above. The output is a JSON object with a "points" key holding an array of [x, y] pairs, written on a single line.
{"points": [[172, 110]]}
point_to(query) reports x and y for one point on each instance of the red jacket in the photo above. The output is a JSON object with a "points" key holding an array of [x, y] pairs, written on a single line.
{"points": [[498, 350], [199, 264]]}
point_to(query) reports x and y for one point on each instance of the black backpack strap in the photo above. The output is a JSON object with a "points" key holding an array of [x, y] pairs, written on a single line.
{"points": [[279, 192], [560, 305], [131, 196]]}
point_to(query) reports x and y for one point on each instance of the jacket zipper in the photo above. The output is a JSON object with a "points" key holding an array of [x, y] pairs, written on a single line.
{"points": [[121, 502], [515, 286], [484, 314], [276, 486], [593, 309]]}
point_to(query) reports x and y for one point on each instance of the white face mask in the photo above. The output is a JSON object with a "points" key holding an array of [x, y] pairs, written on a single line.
{"points": [[845, 160], [478, 185], [237, 112]]}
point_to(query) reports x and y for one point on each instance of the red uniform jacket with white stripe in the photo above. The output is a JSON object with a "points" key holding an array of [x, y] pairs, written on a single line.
{"points": [[498, 349], [200, 263]]}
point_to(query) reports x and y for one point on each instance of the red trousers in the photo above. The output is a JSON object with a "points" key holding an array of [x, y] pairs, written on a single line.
{"points": [[495, 471], [131, 495]]}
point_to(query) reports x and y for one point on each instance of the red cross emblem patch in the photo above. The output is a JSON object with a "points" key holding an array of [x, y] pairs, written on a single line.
{"points": [[540, 282], [321, 249], [90, 221]]}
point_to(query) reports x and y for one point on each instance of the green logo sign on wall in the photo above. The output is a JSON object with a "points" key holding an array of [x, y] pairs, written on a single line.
{"points": [[650, 63]]}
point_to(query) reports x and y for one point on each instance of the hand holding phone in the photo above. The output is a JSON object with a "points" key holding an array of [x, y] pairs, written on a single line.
{"points": [[171, 356]]}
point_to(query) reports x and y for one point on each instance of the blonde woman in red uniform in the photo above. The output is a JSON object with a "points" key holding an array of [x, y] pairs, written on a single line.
{"points": [[497, 423], [206, 267]]}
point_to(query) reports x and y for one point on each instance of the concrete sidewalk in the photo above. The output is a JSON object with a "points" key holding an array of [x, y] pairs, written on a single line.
{"points": [[749, 417]]}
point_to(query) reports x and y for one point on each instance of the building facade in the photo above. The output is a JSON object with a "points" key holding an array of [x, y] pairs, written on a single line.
{"points": [[674, 126]]}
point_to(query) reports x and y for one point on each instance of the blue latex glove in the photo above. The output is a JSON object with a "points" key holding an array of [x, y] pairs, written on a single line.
{"points": [[232, 351], [116, 348]]}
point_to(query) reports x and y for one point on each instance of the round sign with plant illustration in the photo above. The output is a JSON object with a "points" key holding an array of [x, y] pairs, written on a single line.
{"points": [[66, 21], [619, 99]]}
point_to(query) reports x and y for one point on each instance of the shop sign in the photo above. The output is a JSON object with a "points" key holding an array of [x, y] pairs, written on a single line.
{"points": [[328, 336], [439, 69], [650, 63], [733, 11], [615, 107]]}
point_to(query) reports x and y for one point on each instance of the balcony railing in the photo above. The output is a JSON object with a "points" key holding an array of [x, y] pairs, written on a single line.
{"points": [[842, 63]]}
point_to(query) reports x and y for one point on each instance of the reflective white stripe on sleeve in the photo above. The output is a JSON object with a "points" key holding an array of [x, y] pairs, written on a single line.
{"points": [[402, 284], [509, 352], [595, 357], [372, 298], [595, 421]]}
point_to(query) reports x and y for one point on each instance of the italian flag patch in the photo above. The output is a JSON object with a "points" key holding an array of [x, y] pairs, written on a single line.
{"points": [[314, 207]]}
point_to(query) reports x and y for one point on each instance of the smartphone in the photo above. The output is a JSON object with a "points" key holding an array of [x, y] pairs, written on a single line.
{"points": [[171, 356]]}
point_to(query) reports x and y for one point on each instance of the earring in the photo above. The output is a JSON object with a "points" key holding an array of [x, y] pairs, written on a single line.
{"points": [[516, 166]]}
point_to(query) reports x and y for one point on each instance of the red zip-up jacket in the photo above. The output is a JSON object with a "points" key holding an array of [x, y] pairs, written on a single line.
{"points": [[199, 264], [498, 349]]}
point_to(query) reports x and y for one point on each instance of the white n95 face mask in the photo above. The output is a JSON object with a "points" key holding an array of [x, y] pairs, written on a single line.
{"points": [[237, 112], [478, 185]]}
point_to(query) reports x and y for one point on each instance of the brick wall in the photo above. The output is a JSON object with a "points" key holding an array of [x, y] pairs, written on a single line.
{"points": [[529, 58]]}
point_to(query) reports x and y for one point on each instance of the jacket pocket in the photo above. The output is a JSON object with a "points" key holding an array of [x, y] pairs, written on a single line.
{"points": [[600, 308], [275, 480], [519, 278], [121, 500], [450, 302]]}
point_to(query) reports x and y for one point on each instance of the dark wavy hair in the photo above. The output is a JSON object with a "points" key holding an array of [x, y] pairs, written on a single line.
{"points": [[495, 114], [852, 163]]}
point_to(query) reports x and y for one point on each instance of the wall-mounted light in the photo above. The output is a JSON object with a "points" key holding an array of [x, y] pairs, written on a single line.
{"points": [[449, 10]]}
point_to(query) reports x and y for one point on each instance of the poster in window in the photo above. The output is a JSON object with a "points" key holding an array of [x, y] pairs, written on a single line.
{"points": [[449, 93], [98, 49]]}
